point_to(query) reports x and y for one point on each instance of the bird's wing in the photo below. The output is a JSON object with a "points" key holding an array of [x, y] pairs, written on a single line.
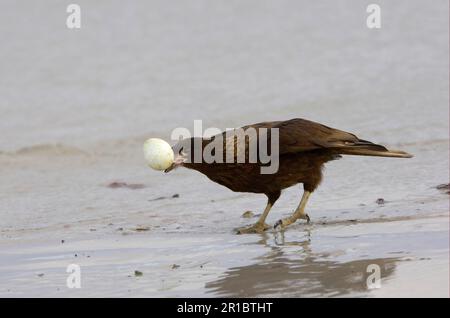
{"points": [[299, 135]]}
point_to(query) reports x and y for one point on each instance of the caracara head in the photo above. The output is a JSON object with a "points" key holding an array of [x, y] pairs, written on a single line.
{"points": [[184, 153]]}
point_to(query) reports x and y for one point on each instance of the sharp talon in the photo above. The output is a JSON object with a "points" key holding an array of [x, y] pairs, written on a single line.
{"points": [[307, 219], [277, 224]]}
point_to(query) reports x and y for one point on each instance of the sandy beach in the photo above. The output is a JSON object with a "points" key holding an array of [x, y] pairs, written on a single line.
{"points": [[77, 106]]}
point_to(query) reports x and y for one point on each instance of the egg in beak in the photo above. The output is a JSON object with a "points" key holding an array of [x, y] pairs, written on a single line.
{"points": [[158, 154]]}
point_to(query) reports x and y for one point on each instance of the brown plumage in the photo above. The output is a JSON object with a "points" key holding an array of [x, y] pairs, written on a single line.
{"points": [[304, 147]]}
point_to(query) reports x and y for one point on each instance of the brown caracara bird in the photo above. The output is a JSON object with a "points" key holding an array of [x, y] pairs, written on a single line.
{"points": [[303, 148]]}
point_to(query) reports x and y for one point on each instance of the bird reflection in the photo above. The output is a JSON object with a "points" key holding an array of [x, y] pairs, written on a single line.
{"points": [[284, 273]]}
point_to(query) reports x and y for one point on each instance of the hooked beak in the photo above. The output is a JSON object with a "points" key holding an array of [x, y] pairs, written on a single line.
{"points": [[172, 166], [179, 160]]}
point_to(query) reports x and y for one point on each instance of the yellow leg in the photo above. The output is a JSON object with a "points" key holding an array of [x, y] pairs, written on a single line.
{"points": [[259, 226], [298, 214]]}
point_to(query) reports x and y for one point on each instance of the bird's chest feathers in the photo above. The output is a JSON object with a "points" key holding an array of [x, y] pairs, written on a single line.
{"points": [[248, 178]]}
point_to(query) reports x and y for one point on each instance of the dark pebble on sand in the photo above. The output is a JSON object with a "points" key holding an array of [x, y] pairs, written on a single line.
{"points": [[444, 187], [41, 275], [142, 229], [62, 241], [380, 201], [138, 273], [158, 198], [175, 266], [176, 195], [132, 186], [116, 185]]}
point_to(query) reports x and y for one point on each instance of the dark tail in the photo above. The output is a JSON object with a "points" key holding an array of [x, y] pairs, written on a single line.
{"points": [[367, 148]]}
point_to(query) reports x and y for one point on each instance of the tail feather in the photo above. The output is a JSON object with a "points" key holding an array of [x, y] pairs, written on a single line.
{"points": [[375, 153], [367, 148]]}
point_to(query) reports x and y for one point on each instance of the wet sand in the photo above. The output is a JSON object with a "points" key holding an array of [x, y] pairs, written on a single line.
{"points": [[306, 261], [76, 108], [178, 230]]}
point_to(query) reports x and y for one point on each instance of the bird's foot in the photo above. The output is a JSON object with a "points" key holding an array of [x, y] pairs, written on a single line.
{"points": [[255, 228], [307, 218], [283, 223]]}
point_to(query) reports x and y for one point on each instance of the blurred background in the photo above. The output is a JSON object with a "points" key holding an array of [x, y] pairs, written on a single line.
{"points": [[145, 67], [77, 104]]}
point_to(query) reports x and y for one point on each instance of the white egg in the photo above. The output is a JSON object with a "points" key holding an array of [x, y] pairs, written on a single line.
{"points": [[158, 154]]}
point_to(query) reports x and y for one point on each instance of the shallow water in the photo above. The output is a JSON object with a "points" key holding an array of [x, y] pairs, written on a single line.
{"points": [[77, 105]]}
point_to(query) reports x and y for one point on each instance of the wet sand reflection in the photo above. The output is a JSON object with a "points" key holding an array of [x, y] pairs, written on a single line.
{"points": [[304, 273]]}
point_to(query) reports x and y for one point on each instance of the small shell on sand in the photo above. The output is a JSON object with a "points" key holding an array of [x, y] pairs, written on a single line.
{"points": [[248, 214]]}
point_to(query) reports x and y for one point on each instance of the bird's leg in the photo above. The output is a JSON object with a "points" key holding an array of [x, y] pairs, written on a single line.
{"points": [[260, 226], [298, 214]]}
